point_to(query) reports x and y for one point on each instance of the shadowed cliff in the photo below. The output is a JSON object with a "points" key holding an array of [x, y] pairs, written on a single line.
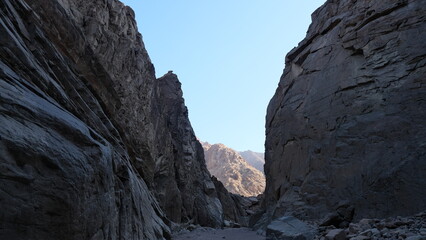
{"points": [[345, 130], [92, 145]]}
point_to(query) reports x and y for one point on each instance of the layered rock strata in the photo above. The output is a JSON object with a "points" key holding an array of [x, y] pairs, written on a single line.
{"points": [[233, 171], [89, 139], [345, 130]]}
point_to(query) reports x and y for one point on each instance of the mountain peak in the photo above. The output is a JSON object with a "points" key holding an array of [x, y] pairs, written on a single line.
{"points": [[237, 175]]}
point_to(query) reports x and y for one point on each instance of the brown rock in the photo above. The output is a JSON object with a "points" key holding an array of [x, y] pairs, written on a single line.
{"points": [[233, 171], [257, 160]]}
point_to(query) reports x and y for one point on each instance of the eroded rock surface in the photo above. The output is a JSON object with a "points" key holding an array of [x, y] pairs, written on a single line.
{"points": [[88, 136], [257, 160], [345, 129], [182, 182], [66, 172], [233, 171]]}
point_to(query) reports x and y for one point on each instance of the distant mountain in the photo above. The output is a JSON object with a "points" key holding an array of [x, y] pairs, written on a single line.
{"points": [[257, 160], [236, 174]]}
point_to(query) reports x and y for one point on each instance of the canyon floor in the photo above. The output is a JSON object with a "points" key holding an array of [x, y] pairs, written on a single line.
{"points": [[216, 234]]}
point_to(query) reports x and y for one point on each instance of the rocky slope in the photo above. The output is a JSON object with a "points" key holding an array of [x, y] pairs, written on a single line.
{"points": [[233, 171], [345, 130], [409, 228], [257, 160], [89, 139]]}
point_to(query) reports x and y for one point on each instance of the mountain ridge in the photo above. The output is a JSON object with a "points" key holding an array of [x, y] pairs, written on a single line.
{"points": [[236, 174]]}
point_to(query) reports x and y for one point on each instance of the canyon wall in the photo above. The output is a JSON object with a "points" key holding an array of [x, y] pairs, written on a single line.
{"points": [[92, 146], [182, 182], [345, 130]]}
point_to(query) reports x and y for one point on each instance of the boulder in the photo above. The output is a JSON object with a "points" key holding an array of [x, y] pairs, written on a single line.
{"points": [[336, 234], [289, 228]]}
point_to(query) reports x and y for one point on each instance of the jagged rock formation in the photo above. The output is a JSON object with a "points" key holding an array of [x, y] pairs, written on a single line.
{"points": [[257, 160], [182, 182], [87, 133], [231, 204], [345, 130], [233, 171]]}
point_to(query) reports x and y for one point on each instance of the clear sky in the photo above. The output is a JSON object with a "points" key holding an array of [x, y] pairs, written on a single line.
{"points": [[229, 56]]}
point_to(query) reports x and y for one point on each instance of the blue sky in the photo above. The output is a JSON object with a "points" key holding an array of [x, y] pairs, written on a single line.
{"points": [[229, 56]]}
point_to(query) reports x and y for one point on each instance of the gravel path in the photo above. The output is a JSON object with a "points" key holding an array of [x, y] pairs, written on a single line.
{"points": [[219, 234]]}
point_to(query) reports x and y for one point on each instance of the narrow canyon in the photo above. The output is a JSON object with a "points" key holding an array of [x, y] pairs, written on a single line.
{"points": [[94, 146]]}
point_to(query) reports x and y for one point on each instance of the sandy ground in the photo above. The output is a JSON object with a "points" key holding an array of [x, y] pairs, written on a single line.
{"points": [[219, 234]]}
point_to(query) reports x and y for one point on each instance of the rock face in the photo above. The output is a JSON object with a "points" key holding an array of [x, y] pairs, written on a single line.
{"points": [[233, 171], [345, 130], [88, 136], [236, 208], [182, 182], [232, 208], [257, 160]]}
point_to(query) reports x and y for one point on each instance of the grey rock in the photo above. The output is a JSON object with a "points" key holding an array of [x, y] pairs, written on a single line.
{"points": [[288, 228], [403, 228], [182, 182], [66, 170], [336, 234], [360, 238], [232, 205], [371, 232], [375, 232], [346, 123], [418, 237], [92, 146]]}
